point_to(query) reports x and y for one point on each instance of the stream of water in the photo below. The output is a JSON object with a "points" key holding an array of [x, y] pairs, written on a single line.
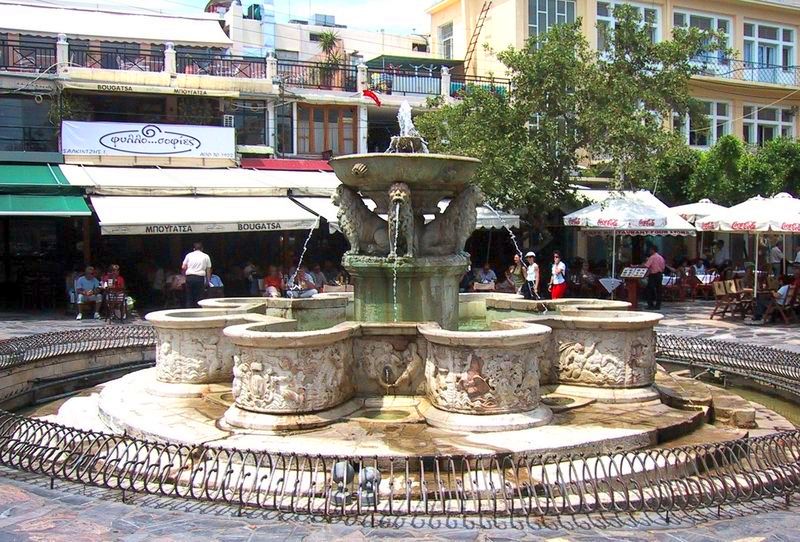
{"points": [[394, 262], [303, 252]]}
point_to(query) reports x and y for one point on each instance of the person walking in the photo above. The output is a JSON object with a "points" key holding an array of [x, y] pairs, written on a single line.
{"points": [[518, 273], [655, 272], [558, 277], [531, 287], [197, 269]]}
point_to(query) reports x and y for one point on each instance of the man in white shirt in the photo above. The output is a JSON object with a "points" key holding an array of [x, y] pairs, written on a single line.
{"points": [[721, 255], [197, 268], [776, 259]]}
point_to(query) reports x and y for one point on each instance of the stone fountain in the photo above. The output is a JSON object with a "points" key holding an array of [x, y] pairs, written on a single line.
{"points": [[400, 264]]}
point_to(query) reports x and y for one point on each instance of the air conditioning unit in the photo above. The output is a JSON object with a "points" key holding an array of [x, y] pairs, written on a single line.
{"points": [[228, 122]]}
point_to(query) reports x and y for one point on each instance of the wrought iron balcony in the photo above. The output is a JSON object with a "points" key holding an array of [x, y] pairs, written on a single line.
{"points": [[116, 58], [319, 75], [743, 70], [222, 65], [19, 56]]}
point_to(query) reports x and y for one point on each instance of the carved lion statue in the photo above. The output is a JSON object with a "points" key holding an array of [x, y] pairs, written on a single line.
{"points": [[401, 216], [448, 232], [365, 231]]}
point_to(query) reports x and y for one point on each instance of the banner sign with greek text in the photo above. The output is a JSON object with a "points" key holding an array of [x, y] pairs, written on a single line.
{"points": [[133, 139]]}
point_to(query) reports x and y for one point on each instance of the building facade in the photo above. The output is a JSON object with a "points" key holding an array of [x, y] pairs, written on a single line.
{"points": [[752, 94]]}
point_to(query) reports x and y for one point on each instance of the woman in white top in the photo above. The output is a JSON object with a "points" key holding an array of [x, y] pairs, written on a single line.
{"points": [[531, 289]]}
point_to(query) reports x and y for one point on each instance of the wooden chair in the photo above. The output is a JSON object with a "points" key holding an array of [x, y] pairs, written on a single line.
{"points": [[741, 300], [786, 310], [722, 300]]}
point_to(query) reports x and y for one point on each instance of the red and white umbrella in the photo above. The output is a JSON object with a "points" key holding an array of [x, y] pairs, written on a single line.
{"points": [[778, 214], [692, 212]]}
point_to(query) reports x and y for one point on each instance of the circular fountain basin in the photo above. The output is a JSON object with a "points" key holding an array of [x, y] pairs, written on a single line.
{"points": [[431, 177]]}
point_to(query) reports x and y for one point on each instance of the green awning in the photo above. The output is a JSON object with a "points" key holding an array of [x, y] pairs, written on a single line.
{"points": [[27, 205], [35, 179]]}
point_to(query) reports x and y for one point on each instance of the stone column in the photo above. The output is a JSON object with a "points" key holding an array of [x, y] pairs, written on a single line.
{"points": [[362, 77], [272, 67], [62, 52], [362, 129], [170, 59], [445, 89]]}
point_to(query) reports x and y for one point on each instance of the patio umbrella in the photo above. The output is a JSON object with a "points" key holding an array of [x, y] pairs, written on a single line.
{"points": [[778, 214], [691, 212], [629, 213]]}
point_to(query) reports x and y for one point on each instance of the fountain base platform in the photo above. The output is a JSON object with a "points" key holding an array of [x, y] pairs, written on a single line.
{"points": [[427, 288]]}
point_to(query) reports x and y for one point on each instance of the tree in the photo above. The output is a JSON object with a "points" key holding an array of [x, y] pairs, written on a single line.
{"points": [[572, 104], [329, 45]]}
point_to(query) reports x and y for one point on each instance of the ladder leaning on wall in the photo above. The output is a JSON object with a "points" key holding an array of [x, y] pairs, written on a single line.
{"points": [[473, 41]]}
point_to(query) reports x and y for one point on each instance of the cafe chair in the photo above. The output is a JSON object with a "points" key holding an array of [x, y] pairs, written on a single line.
{"points": [[722, 300]]}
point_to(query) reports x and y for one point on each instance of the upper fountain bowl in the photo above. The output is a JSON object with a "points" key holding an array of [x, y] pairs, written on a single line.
{"points": [[374, 173]]}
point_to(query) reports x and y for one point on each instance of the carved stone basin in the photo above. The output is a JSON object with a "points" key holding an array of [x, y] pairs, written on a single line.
{"points": [[431, 177]]}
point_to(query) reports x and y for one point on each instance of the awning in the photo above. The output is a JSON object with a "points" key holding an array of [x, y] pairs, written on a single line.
{"points": [[132, 181], [109, 25], [34, 179], [26, 205], [166, 215]]}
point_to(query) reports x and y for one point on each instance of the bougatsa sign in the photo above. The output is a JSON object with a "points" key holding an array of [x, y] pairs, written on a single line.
{"points": [[133, 139]]}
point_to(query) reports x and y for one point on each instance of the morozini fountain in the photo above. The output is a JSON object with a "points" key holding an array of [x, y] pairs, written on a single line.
{"points": [[384, 372]]}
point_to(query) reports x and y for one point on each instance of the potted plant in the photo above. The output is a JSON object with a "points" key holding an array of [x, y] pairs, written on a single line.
{"points": [[329, 45]]}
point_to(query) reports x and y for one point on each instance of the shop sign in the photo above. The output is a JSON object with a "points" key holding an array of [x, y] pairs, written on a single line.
{"points": [[166, 229], [133, 139], [125, 88]]}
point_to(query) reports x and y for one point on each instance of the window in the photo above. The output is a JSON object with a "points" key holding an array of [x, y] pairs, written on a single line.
{"points": [[605, 21], [446, 40], [25, 125], [281, 54], [284, 128], [326, 128], [707, 22], [766, 123], [249, 119], [769, 53], [542, 14], [718, 115]]}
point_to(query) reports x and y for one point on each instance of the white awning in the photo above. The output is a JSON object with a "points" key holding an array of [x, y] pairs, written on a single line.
{"points": [[109, 25], [165, 215], [133, 181]]}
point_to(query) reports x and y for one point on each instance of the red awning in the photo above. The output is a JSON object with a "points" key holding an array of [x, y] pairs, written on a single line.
{"points": [[281, 164]]}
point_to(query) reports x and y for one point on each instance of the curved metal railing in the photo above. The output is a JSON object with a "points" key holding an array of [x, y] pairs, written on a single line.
{"points": [[678, 479]]}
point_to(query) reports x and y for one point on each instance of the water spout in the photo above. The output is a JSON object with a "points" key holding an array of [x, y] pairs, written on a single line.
{"points": [[394, 262], [409, 140]]}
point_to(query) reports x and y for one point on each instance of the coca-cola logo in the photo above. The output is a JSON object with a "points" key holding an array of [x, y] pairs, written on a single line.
{"points": [[791, 226], [573, 222], [608, 223], [647, 222], [708, 226], [743, 225]]}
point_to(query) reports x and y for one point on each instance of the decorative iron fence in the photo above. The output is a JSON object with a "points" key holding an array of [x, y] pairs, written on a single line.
{"points": [[404, 82], [459, 84], [222, 65], [21, 57], [297, 73], [758, 72], [683, 478], [116, 58]]}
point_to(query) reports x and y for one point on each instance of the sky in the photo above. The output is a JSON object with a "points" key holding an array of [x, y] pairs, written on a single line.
{"points": [[393, 16]]}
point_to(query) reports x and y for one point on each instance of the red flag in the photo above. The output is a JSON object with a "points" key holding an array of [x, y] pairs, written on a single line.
{"points": [[374, 97]]}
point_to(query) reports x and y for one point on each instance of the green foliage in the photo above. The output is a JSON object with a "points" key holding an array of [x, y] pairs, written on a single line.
{"points": [[672, 172], [731, 172], [571, 104]]}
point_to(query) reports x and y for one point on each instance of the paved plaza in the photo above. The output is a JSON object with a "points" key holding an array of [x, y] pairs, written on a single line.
{"points": [[31, 510]]}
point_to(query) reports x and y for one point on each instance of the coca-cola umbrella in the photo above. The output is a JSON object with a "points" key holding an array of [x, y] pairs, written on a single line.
{"points": [[692, 212], [757, 215], [629, 213]]}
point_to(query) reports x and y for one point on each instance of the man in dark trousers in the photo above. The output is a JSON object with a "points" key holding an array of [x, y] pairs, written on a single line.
{"points": [[197, 268], [655, 272]]}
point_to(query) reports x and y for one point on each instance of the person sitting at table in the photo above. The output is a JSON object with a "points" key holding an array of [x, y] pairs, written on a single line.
{"points": [[273, 282], [586, 281], [486, 274], [88, 289], [113, 280], [467, 281], [699, 267], [319, 277], [780, 297], [301, 284], [507, 285]]}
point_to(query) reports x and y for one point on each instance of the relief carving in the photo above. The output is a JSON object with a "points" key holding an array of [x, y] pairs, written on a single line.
{"points": [[193, 356], [292, 380], [389, 365], [606, 359], [483, 381]]}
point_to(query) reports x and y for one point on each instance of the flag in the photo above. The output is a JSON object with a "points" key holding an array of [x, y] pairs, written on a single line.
{"points": [[371, 95]]}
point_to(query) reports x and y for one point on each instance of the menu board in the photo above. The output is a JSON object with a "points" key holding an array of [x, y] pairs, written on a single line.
{"points": [[633, 273]]}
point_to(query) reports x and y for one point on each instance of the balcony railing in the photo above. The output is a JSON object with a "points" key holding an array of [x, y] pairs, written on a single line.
{"points": [[319, 75], [111, 58], [222, 65], [460, 84], [20, 57], [744, 70], [404, 82]]}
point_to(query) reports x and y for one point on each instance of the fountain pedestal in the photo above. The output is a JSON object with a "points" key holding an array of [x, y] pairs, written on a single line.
{"points": [[427, 288]]}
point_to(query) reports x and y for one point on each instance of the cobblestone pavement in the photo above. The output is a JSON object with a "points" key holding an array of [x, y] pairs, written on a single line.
{"points": [[30, 510]]}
